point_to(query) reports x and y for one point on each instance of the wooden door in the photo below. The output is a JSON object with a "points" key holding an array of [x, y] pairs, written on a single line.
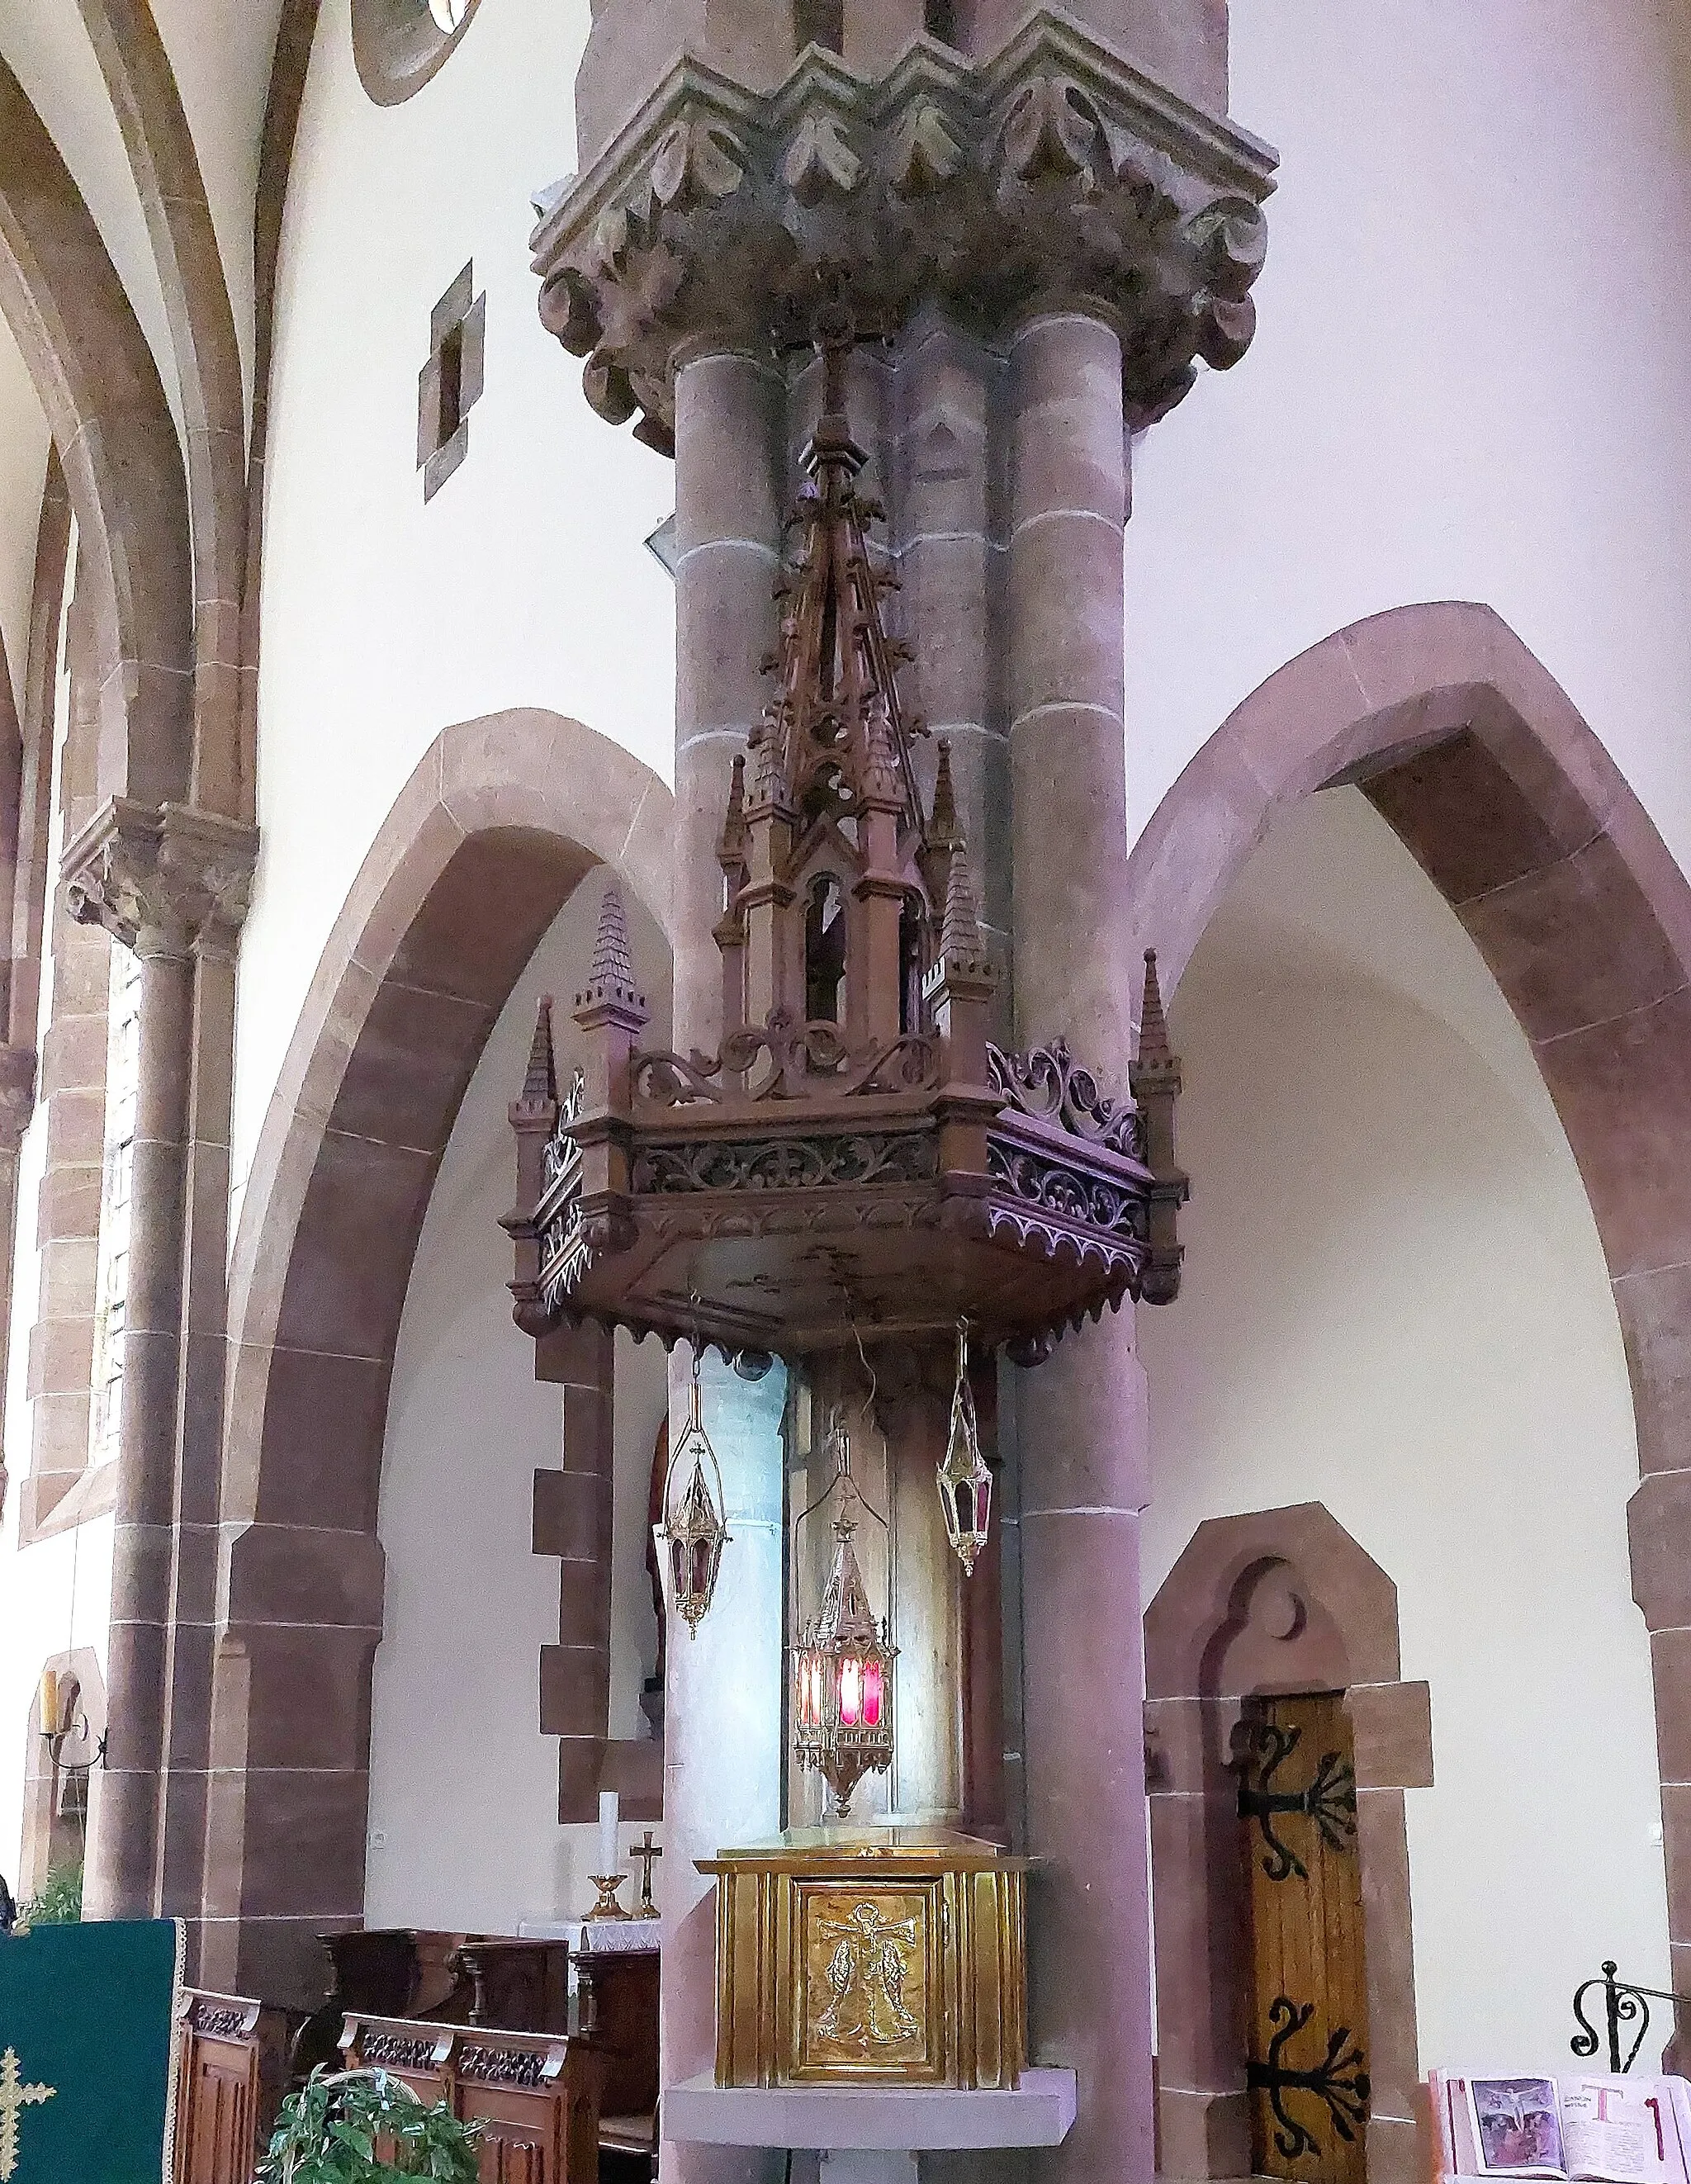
{"points": [[1307, 2052]]}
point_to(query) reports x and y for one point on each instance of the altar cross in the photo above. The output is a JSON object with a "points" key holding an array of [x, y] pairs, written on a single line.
{"points": [[14, 2098], [643, 1853]]}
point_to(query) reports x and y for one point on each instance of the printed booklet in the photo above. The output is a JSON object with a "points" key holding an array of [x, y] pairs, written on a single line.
{"points": [[1598, 2130]]}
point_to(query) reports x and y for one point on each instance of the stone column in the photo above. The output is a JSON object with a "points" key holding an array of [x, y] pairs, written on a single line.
{"points": [[205, 1254], [722, 1716], [729, 510], [1080, 1417], [158, 881], [723, 1698], [947, 539]]}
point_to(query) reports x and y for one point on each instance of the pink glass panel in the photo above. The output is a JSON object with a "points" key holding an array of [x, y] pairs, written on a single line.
{"points": [[871, 1694], [851, 1692]]}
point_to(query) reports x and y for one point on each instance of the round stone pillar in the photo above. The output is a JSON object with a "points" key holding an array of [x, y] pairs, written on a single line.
{"points": [[123, 1853], [722, 1703], [729, 510], [1080, 1417]]}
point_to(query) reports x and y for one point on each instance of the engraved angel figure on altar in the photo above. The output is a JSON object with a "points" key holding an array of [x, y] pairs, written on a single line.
{"points": [[866, 1976]]}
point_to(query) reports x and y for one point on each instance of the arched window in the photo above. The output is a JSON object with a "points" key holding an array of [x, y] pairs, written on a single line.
{"points": [[824, 949]]}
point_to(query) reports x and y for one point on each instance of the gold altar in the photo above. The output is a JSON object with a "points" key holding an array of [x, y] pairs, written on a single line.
{"points": [[870, 1955]]}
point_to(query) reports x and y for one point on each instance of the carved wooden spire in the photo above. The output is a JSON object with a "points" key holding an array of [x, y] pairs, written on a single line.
{"points": [[943, 829], [834, 738], [1154, 1051], [610, 977], [1155, 1077], [540, 1084]]}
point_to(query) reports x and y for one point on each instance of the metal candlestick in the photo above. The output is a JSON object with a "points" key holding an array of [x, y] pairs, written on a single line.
{"points": [[606, 1906]]}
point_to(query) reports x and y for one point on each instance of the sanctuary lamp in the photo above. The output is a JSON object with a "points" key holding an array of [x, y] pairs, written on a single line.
{"points": [[842, 1661]]}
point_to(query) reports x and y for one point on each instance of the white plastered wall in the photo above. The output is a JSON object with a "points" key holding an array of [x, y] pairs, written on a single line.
{"points": [[463, 1787], [1468, 380], [524, 581], [1395, 1303]]}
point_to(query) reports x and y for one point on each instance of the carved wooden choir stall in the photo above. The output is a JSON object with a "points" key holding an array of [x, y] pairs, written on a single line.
{"points": [[563, 2094], [857, 1180]]}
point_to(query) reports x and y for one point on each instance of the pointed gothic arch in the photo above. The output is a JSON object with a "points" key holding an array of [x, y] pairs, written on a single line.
{"points": [[498, 826], [100, 388], [1483, 767]]}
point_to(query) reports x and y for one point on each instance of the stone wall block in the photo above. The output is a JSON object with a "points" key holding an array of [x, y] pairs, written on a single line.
{"points": [[70, 1266], [69, 1202], [1382, 1847], [572, 1511], [1203, 2134], [141, 1587], [1659, 1532], [295, 1573], [1065, 387], [305, 1849], [318, 1407], [358, 1232], [133, 1746], [1084, 1429], [1574, 943], [1655, 1326], [1638, 1065], [1065, 607], [309, 1701], [76, 1128], [416, 1052], [1670, 1669], [580, 1762], [1392, 1725], [61, 1358], [584, 1606], [575, 1690], [943, 609], [74, 1055]]}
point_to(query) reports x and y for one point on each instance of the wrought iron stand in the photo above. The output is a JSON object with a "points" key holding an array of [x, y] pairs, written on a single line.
{"points": [[1623, 2003]]}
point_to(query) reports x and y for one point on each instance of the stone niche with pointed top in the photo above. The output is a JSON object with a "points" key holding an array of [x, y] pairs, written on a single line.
{"points": [[859, 1160]]}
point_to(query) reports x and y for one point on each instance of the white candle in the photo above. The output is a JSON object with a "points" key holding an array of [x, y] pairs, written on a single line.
{"points": [[608, 1817]]}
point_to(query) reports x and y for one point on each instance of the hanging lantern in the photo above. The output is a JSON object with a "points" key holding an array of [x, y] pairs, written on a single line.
{"points": [[966, 1484], [694, 1530], [843, 1668]]}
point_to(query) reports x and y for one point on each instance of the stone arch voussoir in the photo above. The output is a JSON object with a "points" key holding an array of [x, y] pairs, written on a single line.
{"points": [[497, 826]]}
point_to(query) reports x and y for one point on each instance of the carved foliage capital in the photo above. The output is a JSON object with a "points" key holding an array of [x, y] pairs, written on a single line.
{"points": [[163, 880], [1058, 176]]}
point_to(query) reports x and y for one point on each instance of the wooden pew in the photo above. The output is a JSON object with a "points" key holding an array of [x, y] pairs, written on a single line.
{"points": [[231, 2072], [534, 2095]]}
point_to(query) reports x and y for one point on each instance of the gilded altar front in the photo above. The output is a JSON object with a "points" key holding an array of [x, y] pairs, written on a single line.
{"points": [[870, 1955]]}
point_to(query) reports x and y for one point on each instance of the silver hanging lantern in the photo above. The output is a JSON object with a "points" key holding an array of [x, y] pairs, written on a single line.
{"points": [[694, 1529], [965, 1481]]}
